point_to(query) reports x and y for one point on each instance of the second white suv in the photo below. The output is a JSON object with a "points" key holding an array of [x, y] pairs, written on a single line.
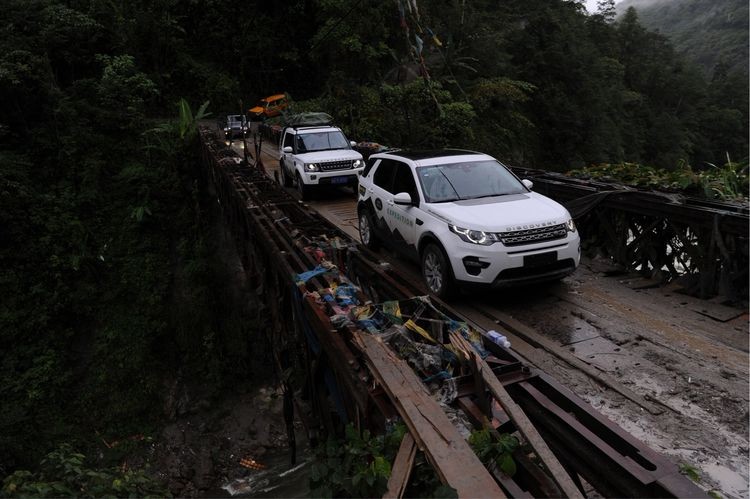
{"points": [[311, 156], [465, 218]]}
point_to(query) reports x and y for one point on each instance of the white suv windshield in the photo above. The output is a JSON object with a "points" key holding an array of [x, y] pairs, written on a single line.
{"points": [[321, 141], [470, 180]]}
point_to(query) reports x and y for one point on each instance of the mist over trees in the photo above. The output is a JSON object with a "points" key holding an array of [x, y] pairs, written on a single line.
{"points": [[108, 276], [709, 32]]}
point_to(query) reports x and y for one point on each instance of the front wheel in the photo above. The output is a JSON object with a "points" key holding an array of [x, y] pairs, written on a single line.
{"points": [[285, 180], [366, 231], [304, 190], [436, 271]]}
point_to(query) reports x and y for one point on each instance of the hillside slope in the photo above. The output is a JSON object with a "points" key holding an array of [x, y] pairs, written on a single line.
{"points": [[707, 31]]}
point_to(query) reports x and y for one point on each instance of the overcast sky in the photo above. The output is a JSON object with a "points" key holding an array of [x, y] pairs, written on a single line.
{"points": [[591, 5]]}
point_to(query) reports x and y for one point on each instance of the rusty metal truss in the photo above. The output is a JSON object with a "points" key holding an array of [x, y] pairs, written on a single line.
{"points": [[666, 236]]}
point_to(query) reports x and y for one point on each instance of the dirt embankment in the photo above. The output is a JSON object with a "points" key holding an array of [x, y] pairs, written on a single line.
{"points": [[235, 445]]}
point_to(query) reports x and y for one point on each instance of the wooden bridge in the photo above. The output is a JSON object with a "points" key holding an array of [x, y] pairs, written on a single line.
{"points": [[337, 313]]}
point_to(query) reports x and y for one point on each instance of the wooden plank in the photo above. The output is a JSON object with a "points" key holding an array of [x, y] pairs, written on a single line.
{"points": [[526, 428], [450, 455], [716, 311], [402, 467]]}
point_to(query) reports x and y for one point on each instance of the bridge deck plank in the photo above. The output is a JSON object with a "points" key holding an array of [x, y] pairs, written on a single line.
{"points": [[453, 459]]}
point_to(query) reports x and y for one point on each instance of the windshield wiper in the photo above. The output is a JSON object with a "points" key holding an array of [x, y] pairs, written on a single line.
{"points": [[485, 196]]}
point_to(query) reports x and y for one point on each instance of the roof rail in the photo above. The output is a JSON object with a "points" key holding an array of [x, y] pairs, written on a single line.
{"points": [[307, 119]]}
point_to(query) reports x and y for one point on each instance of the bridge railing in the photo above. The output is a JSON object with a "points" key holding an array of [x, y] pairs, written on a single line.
{"points": [[701, 244]]}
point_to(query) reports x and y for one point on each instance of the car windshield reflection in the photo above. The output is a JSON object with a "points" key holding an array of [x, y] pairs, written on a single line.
{"points": [[467, 180], [323, 141]]}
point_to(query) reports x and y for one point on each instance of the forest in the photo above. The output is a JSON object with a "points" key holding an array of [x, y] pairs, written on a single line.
{"points": [[111, 282], [709, 33]]}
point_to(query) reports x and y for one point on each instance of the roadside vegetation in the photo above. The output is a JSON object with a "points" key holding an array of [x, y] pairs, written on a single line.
{"points": [[726, 183], [111, 288]]}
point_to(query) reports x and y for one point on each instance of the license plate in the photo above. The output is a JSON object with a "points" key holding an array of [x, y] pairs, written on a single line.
{"points": [[340, 180], [540, 259]]}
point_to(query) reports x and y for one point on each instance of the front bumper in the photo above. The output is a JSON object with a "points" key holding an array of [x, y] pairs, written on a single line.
{"points": [[499, 266], [336, 177], [234, 134]]}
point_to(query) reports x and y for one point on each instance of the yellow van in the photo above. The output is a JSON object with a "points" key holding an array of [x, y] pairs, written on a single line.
{"points": [[269, 106]]}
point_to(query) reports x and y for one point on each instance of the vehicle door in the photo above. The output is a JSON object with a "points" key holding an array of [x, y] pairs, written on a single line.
{"points": [[403, 219], [287, 158], [380, 193]]}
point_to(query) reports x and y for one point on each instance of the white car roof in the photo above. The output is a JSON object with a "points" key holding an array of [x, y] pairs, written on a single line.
{"points": [[314, 129], [436, 157]]}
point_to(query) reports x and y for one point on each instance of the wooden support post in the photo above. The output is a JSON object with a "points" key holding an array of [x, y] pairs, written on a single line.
{"points": [[402, 467], [479, 387]]}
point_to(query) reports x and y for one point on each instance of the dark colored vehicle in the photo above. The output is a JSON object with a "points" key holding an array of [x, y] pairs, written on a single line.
{"points": [[234, 126]]}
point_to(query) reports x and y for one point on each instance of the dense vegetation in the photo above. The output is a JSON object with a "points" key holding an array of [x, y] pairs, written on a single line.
{"points": [[109, 281], [709, 32]]}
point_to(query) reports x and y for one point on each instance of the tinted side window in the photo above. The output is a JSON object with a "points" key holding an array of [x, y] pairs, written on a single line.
{"points": [[404, 181], [288, 140], [368, 167], [384, 174]]}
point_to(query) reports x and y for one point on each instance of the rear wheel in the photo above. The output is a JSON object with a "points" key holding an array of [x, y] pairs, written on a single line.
{"points": [[285, 180], [366, 230], [304, 190], [436, 271]]}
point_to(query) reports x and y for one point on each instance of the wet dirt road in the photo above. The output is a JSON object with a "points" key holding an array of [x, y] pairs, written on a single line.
{"points": [[670, 369]]}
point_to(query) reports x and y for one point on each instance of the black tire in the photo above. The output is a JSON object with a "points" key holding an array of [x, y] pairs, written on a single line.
{"points": [[285, 180], [367, 230], [304, 190], [436, 272]]}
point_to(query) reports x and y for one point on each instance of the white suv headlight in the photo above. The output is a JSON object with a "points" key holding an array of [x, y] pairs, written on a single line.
{"points": [[474, 236], [570, 225], [358, 163], [311, 167]]}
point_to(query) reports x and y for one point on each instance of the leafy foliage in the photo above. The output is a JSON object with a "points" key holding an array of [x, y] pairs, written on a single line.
{"points": [[495, 450], [729, 182], [359, 466], [65, 473]]}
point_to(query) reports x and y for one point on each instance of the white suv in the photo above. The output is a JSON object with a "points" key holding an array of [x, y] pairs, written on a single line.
{"points": [[310, 156], [466, 218]]}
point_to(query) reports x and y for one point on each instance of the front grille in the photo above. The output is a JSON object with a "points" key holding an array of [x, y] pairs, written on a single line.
{"points": [[530, 236], [336, 165], [531, 274]]}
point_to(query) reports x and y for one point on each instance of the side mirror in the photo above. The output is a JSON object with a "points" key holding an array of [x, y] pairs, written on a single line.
{"points": [[352, 143], [528, 183], [287, 149], [403, 199]]}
